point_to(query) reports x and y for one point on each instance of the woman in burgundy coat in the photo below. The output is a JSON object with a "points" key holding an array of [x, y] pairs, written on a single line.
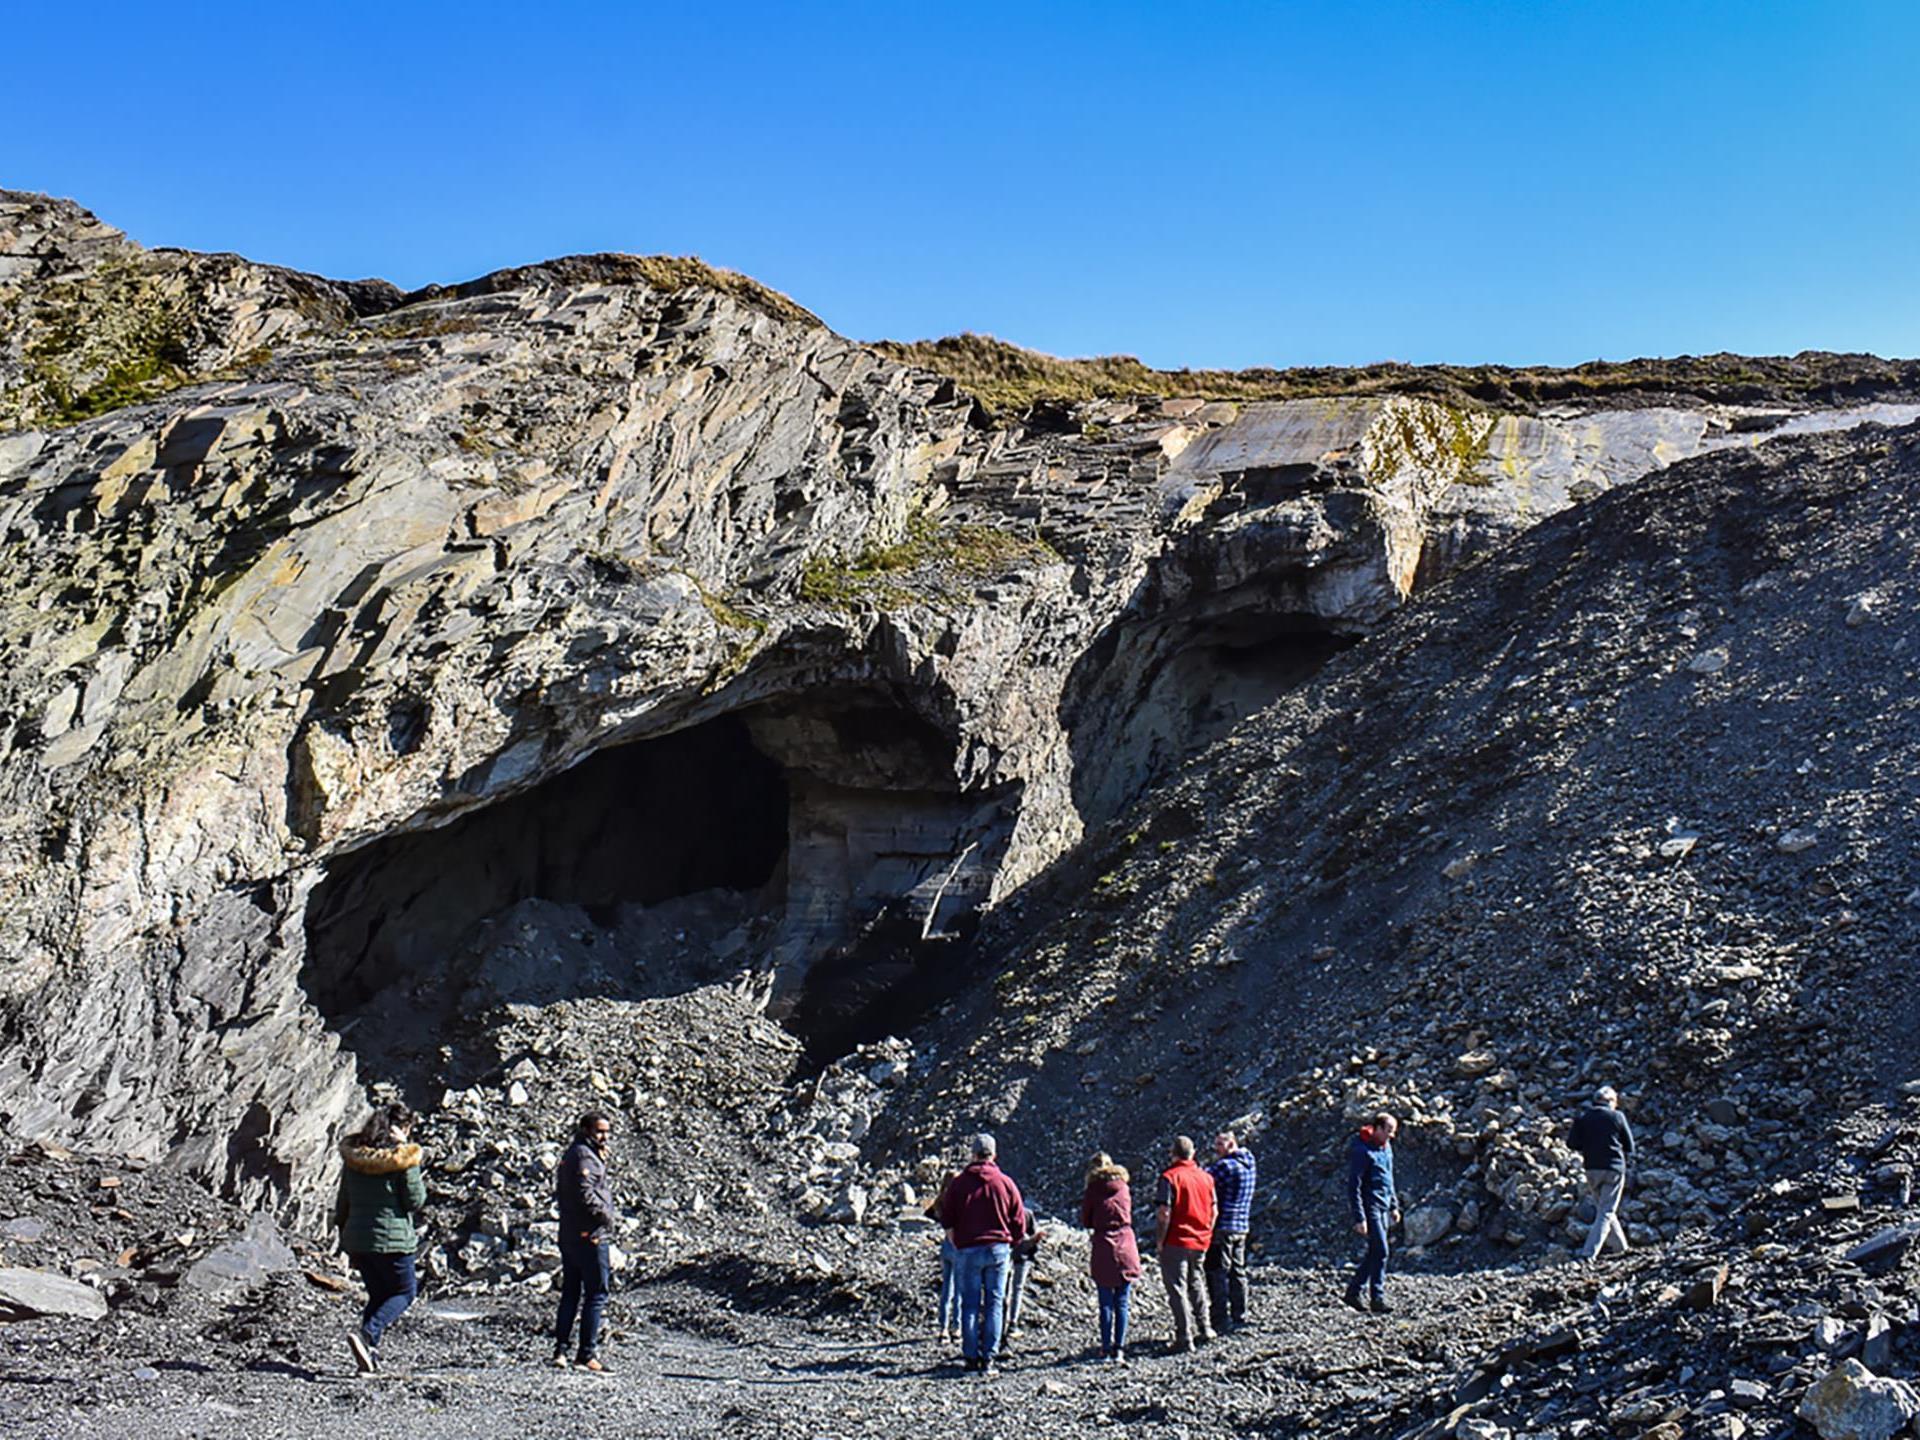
{"points": [[1107, 1210]]}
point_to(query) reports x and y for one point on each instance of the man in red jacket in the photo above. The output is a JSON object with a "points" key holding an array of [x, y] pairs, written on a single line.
{"points": [[983, 1209], [1185, 1209]]}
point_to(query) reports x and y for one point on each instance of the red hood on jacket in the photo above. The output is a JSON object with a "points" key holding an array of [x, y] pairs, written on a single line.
{"points": [[1375, 1138]]}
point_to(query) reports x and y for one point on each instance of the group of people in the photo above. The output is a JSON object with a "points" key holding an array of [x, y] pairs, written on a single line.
{"points": [[1202, 1215], [381, 1192], [1201, 1220]]}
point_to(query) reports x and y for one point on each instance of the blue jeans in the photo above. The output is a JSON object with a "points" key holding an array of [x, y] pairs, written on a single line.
{"points": [[584, 1272], [1114, 1305], [983, 1285], [1016, 1288], [391, 1286], [1372, 1274], [949, 1284]]}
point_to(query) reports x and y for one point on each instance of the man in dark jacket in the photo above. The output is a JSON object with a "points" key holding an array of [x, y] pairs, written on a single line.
{"points": [[982, 1207], [1605, 1142], [586, 1228], [1233, 1170], [1373, 1206]]}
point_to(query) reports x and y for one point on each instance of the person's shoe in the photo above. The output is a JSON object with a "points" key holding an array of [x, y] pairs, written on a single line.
{"points": [[364, 1362], [1379, 1305], [1352, 1301], [1183, 1346], [1120, 1357], [593, 1363], [561, 1361], [987, 1370]]}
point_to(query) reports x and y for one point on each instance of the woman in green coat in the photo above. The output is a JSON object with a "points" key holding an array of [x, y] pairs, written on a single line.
{"points": [[380, 1189]]}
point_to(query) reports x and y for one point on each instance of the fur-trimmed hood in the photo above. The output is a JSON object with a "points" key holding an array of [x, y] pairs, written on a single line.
{"points": [[1108, 1174], [380, 1159]]}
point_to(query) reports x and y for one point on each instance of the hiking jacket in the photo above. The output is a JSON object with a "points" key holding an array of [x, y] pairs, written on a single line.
{"points": [[1233, 1184], [1187, 1192], [380, 1189], [1604, 1139], [982, 1206], [585, 1195], [1107, 1210], [1369, 1174]]}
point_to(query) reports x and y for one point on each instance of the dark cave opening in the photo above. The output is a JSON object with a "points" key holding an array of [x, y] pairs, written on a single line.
{"points": [[821, 842], [636, 825], [1173, 686]]}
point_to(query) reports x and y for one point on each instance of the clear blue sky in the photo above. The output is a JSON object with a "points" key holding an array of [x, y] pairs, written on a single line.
{"points": [[1198, 184]]}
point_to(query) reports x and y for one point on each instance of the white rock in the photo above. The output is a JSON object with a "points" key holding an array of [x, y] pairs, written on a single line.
{"points": [[1852, 1403], [1708, 662], [1795, 841], [28, 1294]]}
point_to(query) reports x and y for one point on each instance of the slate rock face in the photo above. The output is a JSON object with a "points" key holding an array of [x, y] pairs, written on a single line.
{"points": [[308, 574]]}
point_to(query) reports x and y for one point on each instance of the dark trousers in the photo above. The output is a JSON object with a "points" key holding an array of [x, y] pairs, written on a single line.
{"points": [[1227, 1279], [1372, 1274], [584, 1275], [391, 1286]]}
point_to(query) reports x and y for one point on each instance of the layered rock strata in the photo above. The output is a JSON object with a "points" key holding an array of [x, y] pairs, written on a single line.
{"points": [[309, 580]]}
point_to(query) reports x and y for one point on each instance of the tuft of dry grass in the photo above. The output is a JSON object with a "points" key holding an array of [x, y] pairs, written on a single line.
{"points": [[1010, 377]]}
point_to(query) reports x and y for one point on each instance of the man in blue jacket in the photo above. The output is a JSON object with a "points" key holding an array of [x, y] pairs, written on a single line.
{"points": [[1226, 1264], [1373, 1205]]}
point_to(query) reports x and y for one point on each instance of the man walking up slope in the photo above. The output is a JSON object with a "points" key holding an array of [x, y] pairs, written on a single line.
{"points": [[1605, 1142]]}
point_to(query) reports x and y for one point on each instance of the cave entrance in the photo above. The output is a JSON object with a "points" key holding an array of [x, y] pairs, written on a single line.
{"points": [[594, 882], [822, 832], [1163, 690]]}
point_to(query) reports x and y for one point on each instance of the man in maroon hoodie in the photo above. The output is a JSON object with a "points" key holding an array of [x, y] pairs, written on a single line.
{"points": [[982, 1207]]}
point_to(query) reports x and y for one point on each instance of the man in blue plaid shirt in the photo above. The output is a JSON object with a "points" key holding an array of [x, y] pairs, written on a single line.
{"points": [[1233, 1172]]}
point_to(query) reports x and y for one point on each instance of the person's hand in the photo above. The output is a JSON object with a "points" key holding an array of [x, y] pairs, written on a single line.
{"points": [[1396, 1217], [1359, 1227]]}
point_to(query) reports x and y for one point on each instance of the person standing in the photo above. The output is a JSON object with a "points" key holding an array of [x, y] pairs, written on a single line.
{"points": [[1185, 1209], [380, 1192], [587, 1219], [1025, 1247], [1605, 1142], [1233, 1172], [948, 1315], [983, 1209], [1107, 1210], [1373, 1205]]}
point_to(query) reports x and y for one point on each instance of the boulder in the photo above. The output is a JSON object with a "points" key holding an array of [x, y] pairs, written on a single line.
{"points": [[31, 1294], [1852, 1403], [247, 1259], [1424, 1224]]}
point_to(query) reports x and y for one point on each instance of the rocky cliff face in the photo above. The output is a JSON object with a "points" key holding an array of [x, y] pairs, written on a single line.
{"points": [[343, 621]]}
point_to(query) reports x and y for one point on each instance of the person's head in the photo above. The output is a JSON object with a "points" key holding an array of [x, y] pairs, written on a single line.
{"points": [[1607, 1097], [1183, 1147], [1385, 1126], [388, 1125], [984, 1147], [1225, 1143], [594, 1128]]}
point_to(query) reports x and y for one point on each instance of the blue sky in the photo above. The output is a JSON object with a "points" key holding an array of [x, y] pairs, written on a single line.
{"points": [[1198, 184]]}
